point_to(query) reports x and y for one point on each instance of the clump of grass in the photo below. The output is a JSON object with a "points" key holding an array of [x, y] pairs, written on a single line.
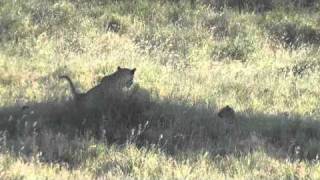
{"points": [[239, 46], [113, 24], [50, 17], [291, 30], [218, 24]]}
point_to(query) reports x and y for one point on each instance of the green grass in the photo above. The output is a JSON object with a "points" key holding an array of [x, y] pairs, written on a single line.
{"points": [[190, 62], [132, 163]]}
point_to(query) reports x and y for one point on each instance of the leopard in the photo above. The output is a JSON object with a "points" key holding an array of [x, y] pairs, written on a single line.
{"points": [[109, 86], [227, 113], [231, 121]]}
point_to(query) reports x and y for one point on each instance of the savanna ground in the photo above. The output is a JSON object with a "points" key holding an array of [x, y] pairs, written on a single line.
{"points": [[192, 58]]}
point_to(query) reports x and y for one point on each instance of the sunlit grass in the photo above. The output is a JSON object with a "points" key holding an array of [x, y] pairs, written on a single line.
{"points": [[131, 162]]}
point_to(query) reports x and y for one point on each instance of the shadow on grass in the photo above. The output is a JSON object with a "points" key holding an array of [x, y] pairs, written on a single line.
{"points": [[58, 130]]}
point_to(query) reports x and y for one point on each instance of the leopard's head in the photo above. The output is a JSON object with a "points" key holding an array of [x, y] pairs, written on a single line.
{"points": [[125, 76]]}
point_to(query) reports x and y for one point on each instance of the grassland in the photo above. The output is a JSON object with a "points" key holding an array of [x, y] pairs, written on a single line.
{"points": [[191, 60]]}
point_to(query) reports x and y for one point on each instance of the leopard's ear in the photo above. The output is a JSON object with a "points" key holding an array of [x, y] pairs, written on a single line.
{"points": [[119, 68], [133, 70]]}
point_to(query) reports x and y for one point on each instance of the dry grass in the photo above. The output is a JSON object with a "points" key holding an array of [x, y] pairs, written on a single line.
{"points": [[191, 61]]}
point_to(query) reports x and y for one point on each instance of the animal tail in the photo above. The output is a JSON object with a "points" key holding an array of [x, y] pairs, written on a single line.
{"points": [[73, 89]]}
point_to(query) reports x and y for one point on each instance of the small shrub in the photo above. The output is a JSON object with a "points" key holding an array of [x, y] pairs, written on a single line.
{"points": [[304, 3], [170, 44], [70, 43], [312, 150], [235, 48], [168, 49], [310, 35], [174, 16], [291, 30], [92, 2], [177, 16], [293, 35], [6, 23], [216, 4], [13, 24], [149, 40], [52, 17], [218, 25], [251, 5], [301, 69], [254, 5], [113, 24]]}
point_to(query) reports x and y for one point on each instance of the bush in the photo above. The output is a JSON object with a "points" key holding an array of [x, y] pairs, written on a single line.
{"points": [[218, 24], [6, 24], [251, 5], [13, 24], [238, 47], [304, 3], [53, 17], [165, 42], [301, 68], [260, 5], [113, 24], [292, 35], [292, 30], [177, 16]]}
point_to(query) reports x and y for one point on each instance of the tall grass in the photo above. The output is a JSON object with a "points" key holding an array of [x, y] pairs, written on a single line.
{"points": [[190, 60]]}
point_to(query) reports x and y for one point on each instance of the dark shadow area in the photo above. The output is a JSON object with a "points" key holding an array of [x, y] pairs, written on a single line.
{"points": [[58, 131]]}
